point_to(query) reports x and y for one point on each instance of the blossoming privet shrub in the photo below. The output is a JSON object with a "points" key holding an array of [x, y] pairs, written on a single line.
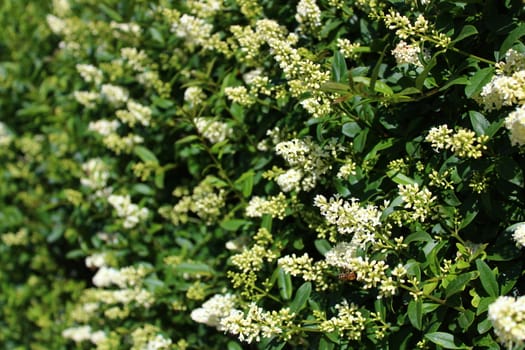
{"points": [[314, 174]]}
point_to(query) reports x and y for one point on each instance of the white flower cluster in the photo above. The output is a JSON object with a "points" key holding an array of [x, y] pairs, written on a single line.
{"points": [[206, 202], [197, 32], [506, 88], [308, 15], [83, 333], [507, 315], [515, 122], [215, 131], [194, 96], [135, 113], [257, 323], [305, 267], [274, 205], [104, 127], [130, 276], [127, 28], [214, 309], [96, 261], [56, 24], [90, 73], [405, 53], [349, 321], [420, 201], [519, 235], [87, 99], [130, 212], [240, 95], [147, 337], [21, 237], [136, 59], [372, 273], [309, 163], [418, 31], [204, 8], [347, 48], [115, 95], [61, 7], [97, 174], [350, 218], [347, 169], [464, 143]]}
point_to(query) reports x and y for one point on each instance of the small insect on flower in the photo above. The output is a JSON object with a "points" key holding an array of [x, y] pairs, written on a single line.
{"points": [[347, 276]]}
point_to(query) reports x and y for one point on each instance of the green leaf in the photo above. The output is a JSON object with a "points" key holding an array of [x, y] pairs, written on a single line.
{"points": [[399, 178], [156, 35], [360, 141], [415, 314], [162, 103], [233, 224], [445, 340], [114, 15], [301, 297], [284, 282], [479, 123], [267, 222], [478, 80], [466, 319], [194, 268], [487, 278], [511, 39], [420, 80], [351, 129], [484, 326], [232, 345], [418, 237], [245, 183], [339, 69], [484, 304], [322, 245], [381, 145], [466, 31], [459, 283], [145, 155], [333, 86]]}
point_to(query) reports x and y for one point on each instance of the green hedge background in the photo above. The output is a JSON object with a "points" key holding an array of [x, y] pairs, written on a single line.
{"points": [[247, 174]]}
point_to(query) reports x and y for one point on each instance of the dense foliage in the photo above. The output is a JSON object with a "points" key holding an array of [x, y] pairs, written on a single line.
{"points": [[236, 174]]}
